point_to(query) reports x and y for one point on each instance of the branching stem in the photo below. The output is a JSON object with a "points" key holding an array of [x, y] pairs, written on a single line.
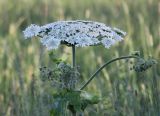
{"points": [[107, 63]]}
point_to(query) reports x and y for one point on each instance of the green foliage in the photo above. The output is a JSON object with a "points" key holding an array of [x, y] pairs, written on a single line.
{"points": [[88, 99], [75, 101], [64, 79]]}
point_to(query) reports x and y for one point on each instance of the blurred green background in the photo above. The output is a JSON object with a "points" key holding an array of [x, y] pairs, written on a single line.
{"points": [[124, 92]]}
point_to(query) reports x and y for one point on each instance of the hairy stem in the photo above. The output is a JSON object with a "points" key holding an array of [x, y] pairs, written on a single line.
{"points": [[107, 63], [73, 56]]}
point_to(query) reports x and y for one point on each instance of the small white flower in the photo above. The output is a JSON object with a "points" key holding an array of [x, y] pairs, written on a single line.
{"points": [[117, 37], [83, 41], [52, 44], [31, 31], [79, 33], [108, 42]]}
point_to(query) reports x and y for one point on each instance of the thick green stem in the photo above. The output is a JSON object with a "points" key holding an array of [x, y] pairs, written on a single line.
{"points": [[73, 56], [107, 63]]}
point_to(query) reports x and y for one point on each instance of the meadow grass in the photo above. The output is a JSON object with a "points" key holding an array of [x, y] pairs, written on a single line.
{"points": [[124, 92]]}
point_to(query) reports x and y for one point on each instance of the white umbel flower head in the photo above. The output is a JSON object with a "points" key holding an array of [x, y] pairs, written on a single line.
{"points": [[79, 33]]}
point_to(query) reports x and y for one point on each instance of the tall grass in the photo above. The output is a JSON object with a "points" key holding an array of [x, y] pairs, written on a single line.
{"points": [[124, 92]]}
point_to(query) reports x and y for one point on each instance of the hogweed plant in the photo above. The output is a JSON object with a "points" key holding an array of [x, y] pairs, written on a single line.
{"points": [[64, 77]]}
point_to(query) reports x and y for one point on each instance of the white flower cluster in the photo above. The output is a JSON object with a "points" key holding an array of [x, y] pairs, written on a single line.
{"points": [[31, 31], [78, 33]]}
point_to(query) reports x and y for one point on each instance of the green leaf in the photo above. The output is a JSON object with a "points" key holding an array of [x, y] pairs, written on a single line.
{"points": [[64, 98], [75, 101], [88, 99], [92, 99]]}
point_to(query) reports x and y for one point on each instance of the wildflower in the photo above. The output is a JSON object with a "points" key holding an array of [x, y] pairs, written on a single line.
{"points": [[62, 77], [79, 33]]}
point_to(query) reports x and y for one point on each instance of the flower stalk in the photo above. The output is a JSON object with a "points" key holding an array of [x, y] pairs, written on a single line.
{"points": [[73, 56], [103, 66]]}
